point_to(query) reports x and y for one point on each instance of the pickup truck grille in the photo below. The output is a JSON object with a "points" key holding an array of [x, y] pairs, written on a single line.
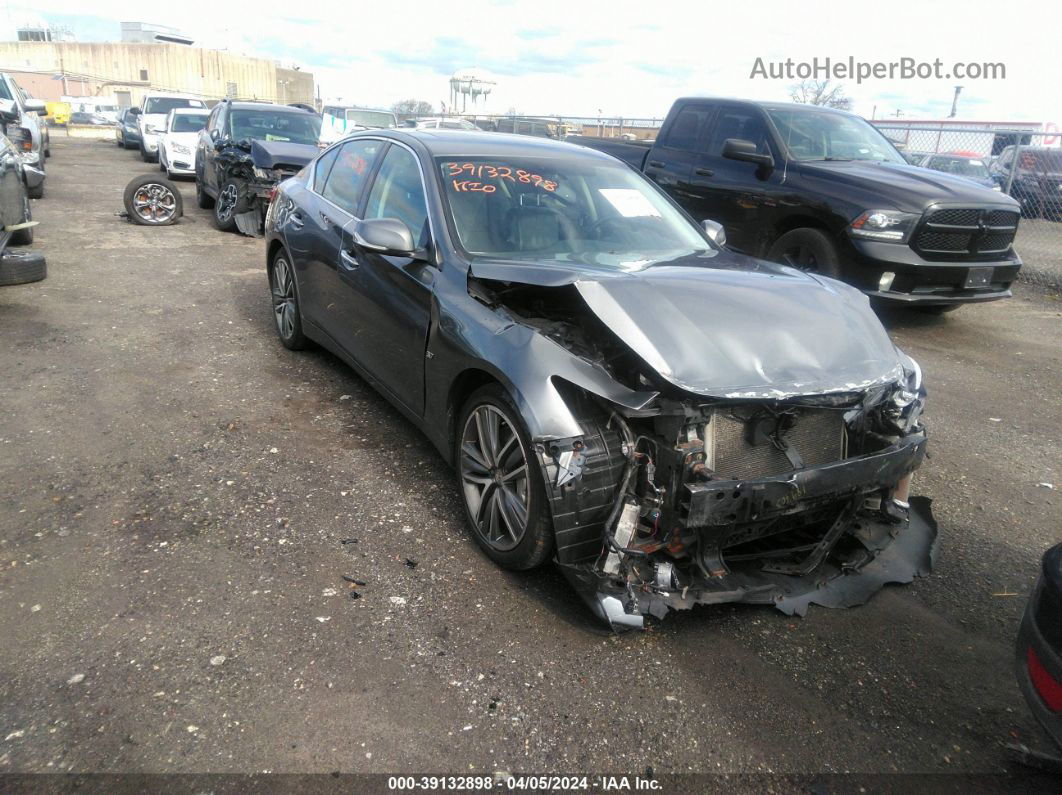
{"points": [[965, 233]]}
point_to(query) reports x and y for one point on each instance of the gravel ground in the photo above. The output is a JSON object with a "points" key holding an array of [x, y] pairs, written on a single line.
{"points": [[184, 497]]}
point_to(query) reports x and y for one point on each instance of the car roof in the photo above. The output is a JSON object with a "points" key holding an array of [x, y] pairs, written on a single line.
{"points": [[469, 143], [767, 105], [264, 105]]}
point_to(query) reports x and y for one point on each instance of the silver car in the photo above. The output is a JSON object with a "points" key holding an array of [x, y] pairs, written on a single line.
{"points": [[26, 130]]}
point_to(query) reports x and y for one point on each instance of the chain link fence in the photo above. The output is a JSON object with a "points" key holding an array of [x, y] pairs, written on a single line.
{"points": [[1025, 164]]}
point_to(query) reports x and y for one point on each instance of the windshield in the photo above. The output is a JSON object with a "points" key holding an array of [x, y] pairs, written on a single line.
{"points": [[271, 125], [564, 210], [960, 166], [188, 122], [379, 119], [1042, 161], [166, 104], [816, 135]]}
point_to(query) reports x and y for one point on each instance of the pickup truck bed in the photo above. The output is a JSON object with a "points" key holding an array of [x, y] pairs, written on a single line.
{"points": [[634, 153]]}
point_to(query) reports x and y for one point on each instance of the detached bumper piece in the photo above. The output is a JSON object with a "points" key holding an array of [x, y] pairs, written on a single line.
{"points": [[832, 535], [1038, 658]]}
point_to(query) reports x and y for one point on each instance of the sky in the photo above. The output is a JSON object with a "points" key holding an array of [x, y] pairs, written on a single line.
{"points": [[617, 58]]}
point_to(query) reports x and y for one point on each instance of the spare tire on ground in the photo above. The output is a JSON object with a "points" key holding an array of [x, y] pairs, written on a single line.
{"points": [[19, 266], [152, 200]]}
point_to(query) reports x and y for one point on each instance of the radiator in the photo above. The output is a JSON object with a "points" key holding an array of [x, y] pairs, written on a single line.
{"points": [[818, 435]]}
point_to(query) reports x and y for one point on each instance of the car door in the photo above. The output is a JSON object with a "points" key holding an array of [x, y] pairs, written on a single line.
{"points": [[388, 299], [737, 194], [315, 233], [670, 161]]}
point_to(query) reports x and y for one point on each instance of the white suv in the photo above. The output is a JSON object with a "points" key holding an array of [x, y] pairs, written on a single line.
{"points": [[151, 116]]}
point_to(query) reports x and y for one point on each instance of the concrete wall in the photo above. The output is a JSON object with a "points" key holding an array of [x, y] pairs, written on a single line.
{"points": [[110, 68]]}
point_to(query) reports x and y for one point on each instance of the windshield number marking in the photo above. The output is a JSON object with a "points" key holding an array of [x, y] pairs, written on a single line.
{"points": [[485, 171]]}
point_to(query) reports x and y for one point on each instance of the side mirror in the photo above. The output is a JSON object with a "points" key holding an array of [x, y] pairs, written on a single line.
{"points": [[385, 236], [133, 111], [715, 231], [7, 110], [740, 149], [36, 105]]}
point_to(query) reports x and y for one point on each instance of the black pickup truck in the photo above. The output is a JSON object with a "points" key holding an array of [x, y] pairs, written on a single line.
{"points": [[825, 191]]}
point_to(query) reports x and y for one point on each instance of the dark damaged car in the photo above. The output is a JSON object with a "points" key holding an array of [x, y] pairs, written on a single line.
{"points": [[673, 423], [244, 151]]}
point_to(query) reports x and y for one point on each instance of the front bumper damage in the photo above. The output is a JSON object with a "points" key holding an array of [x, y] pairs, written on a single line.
{"points": [[869, 538]]}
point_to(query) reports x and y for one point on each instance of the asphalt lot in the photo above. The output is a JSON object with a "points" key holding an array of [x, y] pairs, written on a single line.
{"points": [[183, 495]]}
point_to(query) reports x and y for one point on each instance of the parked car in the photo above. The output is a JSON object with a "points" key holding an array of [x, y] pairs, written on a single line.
{"points": [[825, 191], [81, 117], [17, 266], [675, 423], [126, 130], [151, 115], [970, 167], [178, 138], [245, 149], [1037, 179], [339, 121], [1039, 647], [26, 130], [524, 125], [439, 123]]}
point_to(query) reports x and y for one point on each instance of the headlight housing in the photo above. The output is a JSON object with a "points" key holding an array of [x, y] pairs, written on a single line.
{"points": [[905, 405], [266, 174], [890, 226], [149, 128], [180, 149]]}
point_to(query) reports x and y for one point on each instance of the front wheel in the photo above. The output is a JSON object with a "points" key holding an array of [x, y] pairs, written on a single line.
{"points": [[501, 482], [285, 298], [227, 205], [152, 201], [807, 250]]}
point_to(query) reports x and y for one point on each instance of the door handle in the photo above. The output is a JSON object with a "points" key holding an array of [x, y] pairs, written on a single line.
{"points": [[347, 260], [703, 172], [296, 220], [656, 163]]}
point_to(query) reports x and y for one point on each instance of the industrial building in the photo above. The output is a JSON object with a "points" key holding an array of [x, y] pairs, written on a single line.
{"points": [[125, 70]]}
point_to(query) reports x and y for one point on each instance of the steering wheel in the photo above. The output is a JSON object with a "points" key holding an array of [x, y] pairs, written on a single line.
{"points": [[601, 223]]}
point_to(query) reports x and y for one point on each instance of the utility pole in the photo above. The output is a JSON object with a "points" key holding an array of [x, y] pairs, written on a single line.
{"points": [[955, 102]]}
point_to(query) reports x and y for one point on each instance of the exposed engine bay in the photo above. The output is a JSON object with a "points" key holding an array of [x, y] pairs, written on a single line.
{"points": [[701, 499]]}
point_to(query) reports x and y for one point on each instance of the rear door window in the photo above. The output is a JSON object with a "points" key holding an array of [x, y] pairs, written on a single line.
{"points": [[323, 166], [351, 168], [686, 130]]}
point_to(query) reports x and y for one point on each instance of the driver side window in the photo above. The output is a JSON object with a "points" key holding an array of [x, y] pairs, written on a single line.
{"points": [[398, 192]]}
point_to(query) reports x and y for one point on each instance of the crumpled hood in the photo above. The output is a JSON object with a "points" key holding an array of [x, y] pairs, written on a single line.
{"points": [[273, 154], [729, 326]]}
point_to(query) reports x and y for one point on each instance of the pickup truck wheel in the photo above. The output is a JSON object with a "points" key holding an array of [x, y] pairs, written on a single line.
{"points": [[501, 482], [22, 267], [807, 250]]}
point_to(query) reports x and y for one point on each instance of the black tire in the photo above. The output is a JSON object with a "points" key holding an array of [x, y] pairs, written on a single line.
{"points": [[938, 309], [24, 237], [36, 193], [120, 142], [230, 201], [162, 168], [127, 144], [284, 294], [22, 267], [147, 156], [807, 250], [152, 201], [202, 198], [532, 544]]}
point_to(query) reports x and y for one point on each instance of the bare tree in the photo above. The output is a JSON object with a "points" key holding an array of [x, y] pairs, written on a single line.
{"points": [[412, 107], [820, 92]]}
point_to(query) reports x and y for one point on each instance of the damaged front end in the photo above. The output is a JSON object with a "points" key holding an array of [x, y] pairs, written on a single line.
{"points": [[250, 170], [766, 495]]}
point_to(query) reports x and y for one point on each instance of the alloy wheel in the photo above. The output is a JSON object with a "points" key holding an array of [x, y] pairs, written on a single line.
{"points": [[154, 203], [284, 301], [802, 258], [494, 477], [227, 202]]}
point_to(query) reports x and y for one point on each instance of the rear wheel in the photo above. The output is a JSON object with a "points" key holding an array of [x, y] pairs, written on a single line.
{"points": [[807, 250], [285, 299], [501, 482]]}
